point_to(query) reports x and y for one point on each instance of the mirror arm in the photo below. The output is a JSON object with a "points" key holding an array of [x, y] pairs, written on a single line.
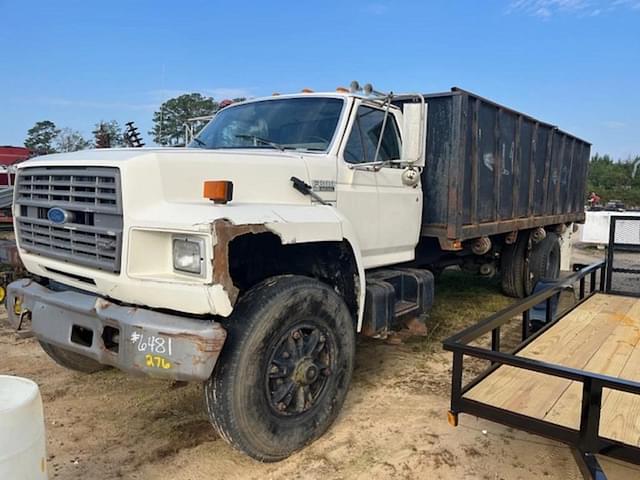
{"points": [[384, 125], [376, 166]]}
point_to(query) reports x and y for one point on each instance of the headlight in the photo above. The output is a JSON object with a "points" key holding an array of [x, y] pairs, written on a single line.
{"points": [[187, 255]]}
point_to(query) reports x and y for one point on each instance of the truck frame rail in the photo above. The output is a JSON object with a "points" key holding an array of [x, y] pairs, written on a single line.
{"points": [[587, 440]]}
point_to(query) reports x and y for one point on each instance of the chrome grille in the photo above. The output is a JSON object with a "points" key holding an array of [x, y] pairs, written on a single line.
{"points": [[92, 198]]}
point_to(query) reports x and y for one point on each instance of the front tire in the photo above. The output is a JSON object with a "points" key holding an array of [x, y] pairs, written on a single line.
{"points": [[285, 369]]}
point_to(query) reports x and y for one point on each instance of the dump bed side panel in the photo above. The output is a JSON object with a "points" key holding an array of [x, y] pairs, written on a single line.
{"points": [[435, 176], [491, 170]]}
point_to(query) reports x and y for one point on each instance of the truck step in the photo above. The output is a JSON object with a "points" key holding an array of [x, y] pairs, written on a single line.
{"points": [[394, 295]]}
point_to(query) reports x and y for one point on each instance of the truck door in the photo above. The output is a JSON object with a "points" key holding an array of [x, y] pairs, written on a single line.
{"points": [[385, 212], [357, 192], [400, 204]]}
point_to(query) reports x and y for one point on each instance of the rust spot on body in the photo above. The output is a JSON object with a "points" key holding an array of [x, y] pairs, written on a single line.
{"points": [[203, 344], [225, 232], [102, 304]]}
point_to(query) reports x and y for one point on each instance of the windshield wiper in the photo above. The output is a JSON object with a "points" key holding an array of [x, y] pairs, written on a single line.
{"points": [[264, 141], [198, 141]]}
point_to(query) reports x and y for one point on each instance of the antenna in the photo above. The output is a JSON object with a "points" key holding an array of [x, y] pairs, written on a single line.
{"points": [[132, 136]]}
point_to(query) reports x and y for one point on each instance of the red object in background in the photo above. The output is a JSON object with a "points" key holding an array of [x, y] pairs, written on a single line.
{"points": [[9, 156]]}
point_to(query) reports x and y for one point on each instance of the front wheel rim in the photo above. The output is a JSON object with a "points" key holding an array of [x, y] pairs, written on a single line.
{"points": [[301, 364]]}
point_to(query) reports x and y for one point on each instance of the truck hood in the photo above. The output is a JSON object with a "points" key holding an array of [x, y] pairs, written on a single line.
{"points": [[175, 175]]}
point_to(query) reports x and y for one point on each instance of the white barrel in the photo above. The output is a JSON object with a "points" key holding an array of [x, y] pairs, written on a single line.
{"points": [[22, 439]]}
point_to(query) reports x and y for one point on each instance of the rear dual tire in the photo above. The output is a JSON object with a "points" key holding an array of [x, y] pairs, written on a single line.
{"points": [[544, 261], [523, 265], [515, 269]]}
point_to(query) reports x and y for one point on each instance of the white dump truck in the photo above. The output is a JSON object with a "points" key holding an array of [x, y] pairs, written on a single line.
{"points": [[251, 259]]}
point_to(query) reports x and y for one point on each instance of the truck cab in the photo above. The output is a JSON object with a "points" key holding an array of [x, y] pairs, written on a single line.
{"points": [[350, 164]]}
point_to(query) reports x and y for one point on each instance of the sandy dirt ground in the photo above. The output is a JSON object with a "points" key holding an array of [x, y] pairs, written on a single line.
{"points": [[112, 426]]}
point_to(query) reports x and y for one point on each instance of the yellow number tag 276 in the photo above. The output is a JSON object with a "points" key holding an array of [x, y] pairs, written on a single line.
{"points": [[156, 361]]}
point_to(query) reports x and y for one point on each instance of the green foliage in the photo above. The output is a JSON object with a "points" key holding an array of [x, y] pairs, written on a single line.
{"points": [[40, 137], [169, 121], [113, 131], [614, 180]]}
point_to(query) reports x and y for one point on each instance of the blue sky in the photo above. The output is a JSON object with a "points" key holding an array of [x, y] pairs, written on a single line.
{"points": [[574, 63]]}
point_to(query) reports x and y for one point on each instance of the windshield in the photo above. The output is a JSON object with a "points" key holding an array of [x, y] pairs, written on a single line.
{"points": [[287, 123]]}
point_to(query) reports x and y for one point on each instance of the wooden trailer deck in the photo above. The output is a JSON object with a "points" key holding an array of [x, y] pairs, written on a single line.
{"points": [[602, 335]]}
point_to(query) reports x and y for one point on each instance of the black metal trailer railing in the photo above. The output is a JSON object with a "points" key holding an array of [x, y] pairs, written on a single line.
{"points": [[624, 236], [585, 441]]}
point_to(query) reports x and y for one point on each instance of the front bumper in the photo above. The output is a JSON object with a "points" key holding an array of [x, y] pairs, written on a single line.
{"points": [[133, 339]]}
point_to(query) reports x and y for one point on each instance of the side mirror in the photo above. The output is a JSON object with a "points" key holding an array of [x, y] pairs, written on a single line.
{"points": [[414, 131]]}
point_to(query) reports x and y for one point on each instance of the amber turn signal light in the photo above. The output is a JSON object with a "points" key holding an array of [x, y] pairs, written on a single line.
{"points": [[220, 191]]}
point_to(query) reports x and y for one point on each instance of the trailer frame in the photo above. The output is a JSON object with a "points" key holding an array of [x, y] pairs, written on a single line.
{"points": [[585, 442]]}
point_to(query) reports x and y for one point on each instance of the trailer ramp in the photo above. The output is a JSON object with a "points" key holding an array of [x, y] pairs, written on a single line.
{"points": [[577, 380]]}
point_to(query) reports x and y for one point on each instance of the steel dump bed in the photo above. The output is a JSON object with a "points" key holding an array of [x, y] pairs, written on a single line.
{"points": [[492, 170]]}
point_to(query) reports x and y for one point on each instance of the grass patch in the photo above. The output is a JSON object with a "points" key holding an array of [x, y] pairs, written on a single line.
{"points": [[461, 300]]}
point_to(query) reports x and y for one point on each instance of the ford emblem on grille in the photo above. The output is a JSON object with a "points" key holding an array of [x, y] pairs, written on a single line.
{"points": [[58, 215]]}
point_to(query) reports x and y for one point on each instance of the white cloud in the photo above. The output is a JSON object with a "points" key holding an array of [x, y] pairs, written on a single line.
{"points": [[543, 12], [376, 8], [545, 9], [632, 4]]}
